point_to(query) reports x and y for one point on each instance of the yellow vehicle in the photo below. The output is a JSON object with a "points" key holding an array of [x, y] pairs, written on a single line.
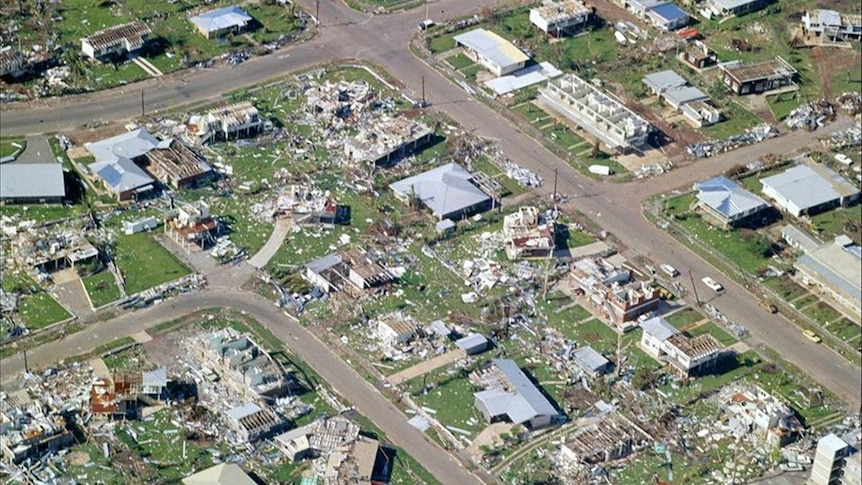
{"points": [[812, 336]]}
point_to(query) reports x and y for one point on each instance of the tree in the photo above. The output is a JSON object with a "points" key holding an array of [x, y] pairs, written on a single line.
{"points": [[644, 378]]}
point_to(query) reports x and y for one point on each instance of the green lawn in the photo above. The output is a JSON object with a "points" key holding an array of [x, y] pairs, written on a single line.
{"points": [[782, 104], [849, 80], [471, 72], [41, 213], [452, 399], [37, 308], [7, 148], [684, 318], [510, 185], [737, 120], [823, 313], [786, 288], [714, 330], [145, 263], [459, 61], [102, 288], [846, 330], [839, 222], [442, 43]]}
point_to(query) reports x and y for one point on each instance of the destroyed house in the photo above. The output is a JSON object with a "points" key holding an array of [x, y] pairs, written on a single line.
{"points": [[613, 438], [757, 77], [751, 411], [228, 122], [122, 395], [527, 235], [363, 462], [353, 271], [699, 56], [627, 302], [309, 206], [493, 52], [609, 287], [396, 328], [509, 395], [122, 163], [68, 251], [386, 141], [562, 18], [251, 422], [116, 41], [687, 355], [596, 112], [319, 438], [727, 203], [191, 224], [832, 26], [726, 8], [12, 62], [364, 272], [220, 22], [239, 360], [29, 429], [449, 191]]}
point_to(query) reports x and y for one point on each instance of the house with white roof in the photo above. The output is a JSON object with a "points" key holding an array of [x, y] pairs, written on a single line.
{"points": [[692, 102], [726, 202], [686, 355], [213, 24], [509, 395], [222, 474], [32, 183], [448, 191], [809, 189], [590, 362], [726, 8], [835, 270], [561, 18], [497, 54], [832, 26]]}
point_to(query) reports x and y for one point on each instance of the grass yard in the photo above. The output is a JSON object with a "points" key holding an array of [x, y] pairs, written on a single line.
{"points": [[102, 288], [42, 213], [510, 185], [782, 104], [838, 222], [684, 318], [823, 313], [459, 61], [848, 81], [786, 288], [846, 330], [452, 399], [145, 263], [36, 308], [246, 230], [736, 120], [442, 43], [471, 72], [8, 148]]}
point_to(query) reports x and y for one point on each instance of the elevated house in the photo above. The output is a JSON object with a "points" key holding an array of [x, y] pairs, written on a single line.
{"points": [[561, 18], [117, 41], [809, 189], [510, 396], [830, 26], [726, 203], [220, 22], [687, 355], [236, 120], [495, 53], [191, 224], [757, 77]]}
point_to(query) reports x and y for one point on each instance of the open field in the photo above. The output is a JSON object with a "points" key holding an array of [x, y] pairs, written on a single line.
{"points": [[145, 263]]}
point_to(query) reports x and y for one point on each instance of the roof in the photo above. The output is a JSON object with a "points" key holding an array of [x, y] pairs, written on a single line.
{"points": [[470, 341], [444, 225], [840, 266], [806, 187], [589, 360], [221, 18], [491, 46], [800, 238], [19, 180], [158, 377], [560, 11], [832, 443], [663, 80], [726, 197], [646, 4], [527, 400], [322, 264], [522, 78], [246, 409], [684, 95], [224, 474], [132, 144], [827, 17], [754, 71], [659, 328], [132, 32], [445, 190], [731, 4], [121, 175], [669, 12]]}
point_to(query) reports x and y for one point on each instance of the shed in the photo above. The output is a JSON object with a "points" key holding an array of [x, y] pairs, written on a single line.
{"points": [[472, 344], [590, 361], [445, 227]]}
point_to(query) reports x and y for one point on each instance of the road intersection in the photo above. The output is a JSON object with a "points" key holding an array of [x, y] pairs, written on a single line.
{"points": [[383, 40]]}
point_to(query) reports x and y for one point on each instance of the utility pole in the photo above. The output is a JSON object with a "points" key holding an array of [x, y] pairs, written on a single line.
{"points": [[555, 193], [143, 111], [26, 367], [423, 92], [694, 287], [317, 12]]}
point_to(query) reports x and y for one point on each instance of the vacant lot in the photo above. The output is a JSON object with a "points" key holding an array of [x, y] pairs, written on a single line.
{"points": [[145, 263], [102, 288], [36, 307]]}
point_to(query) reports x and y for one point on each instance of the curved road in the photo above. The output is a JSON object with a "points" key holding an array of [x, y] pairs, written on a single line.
{"points": [[346, 34]]}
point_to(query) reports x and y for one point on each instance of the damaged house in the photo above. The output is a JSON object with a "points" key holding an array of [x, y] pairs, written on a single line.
{"points": [[528, 234], [386, 141], [610, 287], [308, 206], [396, 328], [561, 18], [319, 438], [352, 271], [30, 428], [251, 422], [757, 77], [754, 413], [511, 396], [830, 26], [692, 102], [220, 22], [237, 120], [12, 62], [612, 438], [118, 41], [688, 356], [123, 394], [191, 224]]}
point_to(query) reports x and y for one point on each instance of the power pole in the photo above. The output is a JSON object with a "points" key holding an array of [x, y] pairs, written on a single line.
{"points": [[143, 111], [694, 287], [317, 12], [26, 367], [423, 92], [555, 193]]}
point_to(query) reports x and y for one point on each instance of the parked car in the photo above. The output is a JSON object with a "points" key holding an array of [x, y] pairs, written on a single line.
{"points": [[669, 270], [768, 306], [812, 336], [712, 284], [426, 24]]}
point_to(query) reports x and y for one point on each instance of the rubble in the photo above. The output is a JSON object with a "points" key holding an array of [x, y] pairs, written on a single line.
{"points": [[711, 148], [849, 137], [810, 116], [850, 103], [521, 175]]}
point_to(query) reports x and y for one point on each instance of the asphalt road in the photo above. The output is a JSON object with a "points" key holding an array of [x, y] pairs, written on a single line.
{"points": [[350, 385], [345, 34]]}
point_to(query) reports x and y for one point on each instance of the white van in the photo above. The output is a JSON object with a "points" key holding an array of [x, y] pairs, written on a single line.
{"points": [[712, 284], [669, 270]]}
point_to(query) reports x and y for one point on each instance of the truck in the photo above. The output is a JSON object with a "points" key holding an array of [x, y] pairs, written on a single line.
{"points": [[768, 306]]}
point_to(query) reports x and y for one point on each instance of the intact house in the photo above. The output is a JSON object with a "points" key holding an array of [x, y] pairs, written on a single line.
{"points": [[596, 112], [831, 26], [32, 183], [495, 53], [191, 224], [726, 203], [757, 77], [835, 270], [698, 55], [688, 356], [118, 41], [527, 235], [352, 271], [726, 8], [667, 17], [509, 395], [129, 164], [610, 288], [562, 18], [809, 189], [220, 22], [692, 102], [449, 191], [236, 120]]}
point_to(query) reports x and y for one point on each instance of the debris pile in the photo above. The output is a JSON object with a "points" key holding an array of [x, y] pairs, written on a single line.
{"points": [[850, 103], [653, 169], [810, 116], [751, 136], [521, 175], [849, 137]]}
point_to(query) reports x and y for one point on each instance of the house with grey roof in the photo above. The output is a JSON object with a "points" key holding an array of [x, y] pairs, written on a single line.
{"points": [[832, 26], [490, 50], [473, 344], [509, 395], [835, 270], [590, 362], [692, 102], [219, 22], [222, 474], [448, 191], [32, 183], [727, 203], [656, 331], [809, 189], [799, 239], [726, 8]]}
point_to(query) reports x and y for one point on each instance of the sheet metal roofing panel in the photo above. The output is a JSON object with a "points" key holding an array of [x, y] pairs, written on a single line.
{"points": [[828, 17], [537, 402], [221, 18], [670, 12], [31, 180], [731, 4], [470, 341], [837, 266], [805, 187], [445, 190], [528, 76], [726, 197], [492, 46], [684, 95], [321, 264], [659, 328], [246, 409], [588, 359]]}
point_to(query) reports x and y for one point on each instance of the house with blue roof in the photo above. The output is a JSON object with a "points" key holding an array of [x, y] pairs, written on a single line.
{"points": [[220, 22], [667, 17], [726, 203]]}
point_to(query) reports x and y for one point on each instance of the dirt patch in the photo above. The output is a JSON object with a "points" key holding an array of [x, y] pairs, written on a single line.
{"points": [[95, 134], [829, 62]]}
